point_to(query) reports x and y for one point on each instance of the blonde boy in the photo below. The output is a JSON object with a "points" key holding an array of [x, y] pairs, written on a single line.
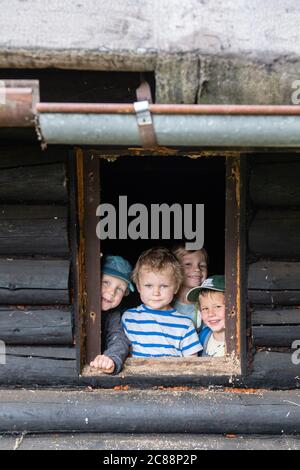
{"points": [[154, 328], [211, 298], [194, 266]]}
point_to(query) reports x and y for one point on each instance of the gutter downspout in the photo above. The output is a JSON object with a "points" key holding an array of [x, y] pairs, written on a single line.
{"points": [[174, 125], [18, 99]]}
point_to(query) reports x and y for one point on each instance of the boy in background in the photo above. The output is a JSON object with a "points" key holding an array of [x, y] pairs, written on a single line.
{"points": [[194, 266]]}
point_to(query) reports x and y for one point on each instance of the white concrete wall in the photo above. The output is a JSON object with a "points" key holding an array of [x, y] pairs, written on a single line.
{"points": [[248, 27], [220, 51]]}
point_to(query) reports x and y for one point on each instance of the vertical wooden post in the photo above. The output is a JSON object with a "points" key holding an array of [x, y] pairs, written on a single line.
{"points": [[234, 256], [88, 199], [74, 240]]}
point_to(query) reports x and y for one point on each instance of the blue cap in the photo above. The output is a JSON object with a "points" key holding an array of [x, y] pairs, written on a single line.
{"points": [[118, 267]]}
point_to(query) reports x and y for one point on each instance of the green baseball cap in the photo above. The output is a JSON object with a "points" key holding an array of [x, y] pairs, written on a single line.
{"points": [[216, 283]]}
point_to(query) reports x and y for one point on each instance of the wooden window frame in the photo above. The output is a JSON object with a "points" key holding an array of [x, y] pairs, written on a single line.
{"points": [[86, 273]]}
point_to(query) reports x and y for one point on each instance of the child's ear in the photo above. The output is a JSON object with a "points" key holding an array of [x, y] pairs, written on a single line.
{"points": [[127, 292]]}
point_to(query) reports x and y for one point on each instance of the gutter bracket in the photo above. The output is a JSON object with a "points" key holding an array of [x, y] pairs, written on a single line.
{"points": [[145, 124]]}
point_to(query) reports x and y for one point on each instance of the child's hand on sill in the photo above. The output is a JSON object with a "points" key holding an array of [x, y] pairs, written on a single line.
{"points": [[104, 363]]}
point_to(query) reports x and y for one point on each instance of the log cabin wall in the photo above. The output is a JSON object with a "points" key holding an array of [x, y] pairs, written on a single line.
{"points": [[37, 317], [36, 295], [274, 267], [35, 305]]}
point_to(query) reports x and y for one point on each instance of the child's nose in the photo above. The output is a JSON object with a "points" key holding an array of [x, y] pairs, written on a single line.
{"points": [[156, 290], [111, 292]]}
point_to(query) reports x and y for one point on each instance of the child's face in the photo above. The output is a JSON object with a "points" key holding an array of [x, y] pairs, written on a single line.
{"points": [[113, 290], [157, 289], [194, 269], [212, 308]]}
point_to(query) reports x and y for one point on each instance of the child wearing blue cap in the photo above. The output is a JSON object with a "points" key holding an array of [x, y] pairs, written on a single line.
{"points": [[115, 284]]}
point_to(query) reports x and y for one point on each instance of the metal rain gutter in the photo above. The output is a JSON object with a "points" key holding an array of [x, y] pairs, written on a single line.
{"points": [[173, 125]]}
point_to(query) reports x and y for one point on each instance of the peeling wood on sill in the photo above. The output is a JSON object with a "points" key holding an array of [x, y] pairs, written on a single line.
{"points": [[113, 154], [174, 367]]}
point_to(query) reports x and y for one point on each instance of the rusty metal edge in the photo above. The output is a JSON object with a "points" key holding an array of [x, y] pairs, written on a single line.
{"points": [[20, 101], [117, 108]]}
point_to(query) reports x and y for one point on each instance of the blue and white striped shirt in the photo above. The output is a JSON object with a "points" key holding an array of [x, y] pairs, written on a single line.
{"points": [[160, 333]]}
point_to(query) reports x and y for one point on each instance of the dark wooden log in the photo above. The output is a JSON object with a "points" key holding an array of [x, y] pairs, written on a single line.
{"points": [[34, 230], [274, 298], [39, 183], [15, 157], [150, 411], [39, 365], [36, 212], [46, 352], [276, 184], [275, 370], [273, 275], [275, 233], [274, 283], [284, 316], [31, 326], [34, 282], [275, 336]]}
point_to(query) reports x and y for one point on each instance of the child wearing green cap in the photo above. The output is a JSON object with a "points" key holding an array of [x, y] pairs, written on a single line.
{"points": [[115, 284], [211, 298]]}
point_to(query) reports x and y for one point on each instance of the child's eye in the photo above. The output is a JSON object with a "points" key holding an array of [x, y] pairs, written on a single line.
{"points": [[105, 283], [119, 289], [164, 286]]}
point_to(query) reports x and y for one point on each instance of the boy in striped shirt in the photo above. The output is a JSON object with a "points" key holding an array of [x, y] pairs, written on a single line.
{"points": [[154, 328]]}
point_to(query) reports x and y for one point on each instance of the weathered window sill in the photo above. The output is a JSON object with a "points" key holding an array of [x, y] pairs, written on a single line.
{"points": [[192, 366]]}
